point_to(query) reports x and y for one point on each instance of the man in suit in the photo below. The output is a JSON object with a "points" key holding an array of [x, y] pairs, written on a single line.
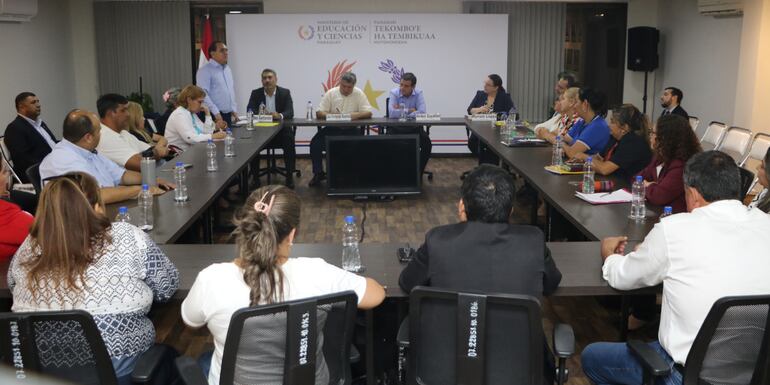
{"points": [[277, 101], [484, 252], [670, 100], [27, 137]]}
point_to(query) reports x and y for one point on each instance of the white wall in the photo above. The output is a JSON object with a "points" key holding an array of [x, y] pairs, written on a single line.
{"points": [[37, 57], [752, 90], [363, 6], [81, 19], [699, 54]]}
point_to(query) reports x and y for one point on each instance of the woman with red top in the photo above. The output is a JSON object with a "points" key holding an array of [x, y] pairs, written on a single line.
{"points": [[673, 143], [14, 223]]}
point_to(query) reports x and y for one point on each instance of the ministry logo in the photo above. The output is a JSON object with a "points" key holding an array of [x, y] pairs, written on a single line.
{"points": [[306, 32]]}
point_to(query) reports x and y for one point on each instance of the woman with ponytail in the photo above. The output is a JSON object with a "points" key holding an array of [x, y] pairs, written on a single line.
{"points": [[630, 150], [262, 273], [74, 258]]}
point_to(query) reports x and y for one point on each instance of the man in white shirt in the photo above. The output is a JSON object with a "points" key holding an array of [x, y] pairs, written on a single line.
{"points": [[717, 249], [343, 99], [116, 143]]}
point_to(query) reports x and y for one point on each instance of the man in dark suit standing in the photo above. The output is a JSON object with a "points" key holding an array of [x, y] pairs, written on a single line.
{"points": [[484, 252], [277, 102], [670, 100], [27, 137]]}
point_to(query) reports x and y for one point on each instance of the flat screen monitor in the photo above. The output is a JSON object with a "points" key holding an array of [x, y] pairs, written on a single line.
{"points": [[373, 165]]}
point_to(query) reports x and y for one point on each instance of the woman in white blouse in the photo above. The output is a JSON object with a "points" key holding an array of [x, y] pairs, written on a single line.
{"points": [[184, 128], [263, 273], [562, 120], [762, 200]]}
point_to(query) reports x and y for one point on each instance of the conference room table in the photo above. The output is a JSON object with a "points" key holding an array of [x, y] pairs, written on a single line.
{"points": [[594, 221], [379, 122], [171, 218], [579, 263]]}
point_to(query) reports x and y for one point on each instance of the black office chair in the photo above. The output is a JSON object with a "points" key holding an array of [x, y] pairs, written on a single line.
{"points": [[731, 346], [747, 180], [33, 173], [478, 339], [67, 345], [272, 163], [279, 343], [429, 174]]}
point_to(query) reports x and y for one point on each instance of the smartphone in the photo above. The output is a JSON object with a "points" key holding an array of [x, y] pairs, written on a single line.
{"points": [[405, 254]]}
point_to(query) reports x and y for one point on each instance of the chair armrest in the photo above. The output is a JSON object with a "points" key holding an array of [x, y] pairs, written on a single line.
{"points": [[651, 361], [563, 340], [402, 338], [355, 355], [155, 365], [189, 371]]}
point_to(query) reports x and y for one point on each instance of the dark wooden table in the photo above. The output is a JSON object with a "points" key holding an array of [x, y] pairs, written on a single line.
{"points": [[579, 263], [594, 221], [172, 219], [382, 121]]}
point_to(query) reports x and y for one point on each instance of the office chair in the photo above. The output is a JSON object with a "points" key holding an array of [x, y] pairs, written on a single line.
{"points": [[33, 173], [747, 182], [477, 339], [67, 345], [272, 162], [292, 342], [730, 347]]}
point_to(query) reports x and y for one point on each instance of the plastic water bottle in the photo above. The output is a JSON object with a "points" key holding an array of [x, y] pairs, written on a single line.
{"points": [[262, 109], [402, 117], [123, 215], [180, 178], [229, 144], [667, 210], [211, 156], [510, 125], [250, 118], [145, 209], [351, 258], [588, 177], [557, 157], [309, 113], [638, 210]]}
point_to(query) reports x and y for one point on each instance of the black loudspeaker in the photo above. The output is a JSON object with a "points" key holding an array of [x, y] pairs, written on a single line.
{"points": [[643, 48]]}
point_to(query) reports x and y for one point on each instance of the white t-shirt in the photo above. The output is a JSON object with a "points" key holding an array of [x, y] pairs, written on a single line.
{"points": [[183, 128], [219, 291], [334, 102], [119, 147]]}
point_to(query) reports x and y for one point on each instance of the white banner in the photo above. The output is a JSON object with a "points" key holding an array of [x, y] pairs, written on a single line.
{"points": [[451, 55]]}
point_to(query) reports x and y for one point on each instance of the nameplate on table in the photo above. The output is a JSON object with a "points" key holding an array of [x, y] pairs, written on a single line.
{"points": [[263, 118], [483, 118], [427, 117], [338, 117]]}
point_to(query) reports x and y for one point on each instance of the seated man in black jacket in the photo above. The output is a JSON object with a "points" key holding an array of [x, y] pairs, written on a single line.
{"points": [[484, 252]]}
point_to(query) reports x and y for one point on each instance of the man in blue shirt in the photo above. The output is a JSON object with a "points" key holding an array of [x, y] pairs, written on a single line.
{"points": [[406, 95], [216, 78], [77, 152]]}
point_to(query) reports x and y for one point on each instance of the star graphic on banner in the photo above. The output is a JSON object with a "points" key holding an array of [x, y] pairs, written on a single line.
{"points": [[372, 94]]}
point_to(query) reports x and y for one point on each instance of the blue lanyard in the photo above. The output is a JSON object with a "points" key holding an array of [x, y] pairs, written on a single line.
{"points": [[195, 125]]}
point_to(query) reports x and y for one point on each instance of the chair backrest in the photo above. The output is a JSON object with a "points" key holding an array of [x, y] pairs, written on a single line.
{"points": [[474, 339], [713, 135], [735, 143], [747, 182], [291, 342], [694, 121], [33, 173], [5, 155], [732, 344], [61, 344], [757, 150]]}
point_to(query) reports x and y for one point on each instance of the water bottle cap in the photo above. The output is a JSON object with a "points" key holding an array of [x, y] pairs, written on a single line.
{"points": [[229, 131], [145, 187], [249, 110], [350, 219], [589, 159], [558, 137], [180, 164], [638, 178], [667, 209], [123, 209], [211, 140]]}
